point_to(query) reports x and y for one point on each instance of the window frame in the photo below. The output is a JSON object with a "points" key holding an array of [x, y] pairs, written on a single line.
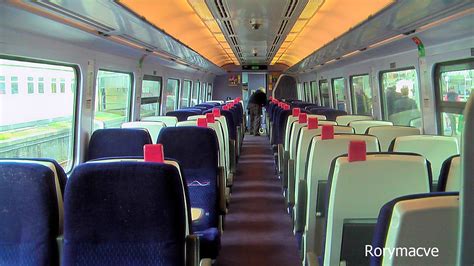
{"points": [[177, 96], [313, 95], [76, 102], [382, 92], [333, 91], [156, 99], [305, 91], [352, 93], [189, 92], [446, 106]]}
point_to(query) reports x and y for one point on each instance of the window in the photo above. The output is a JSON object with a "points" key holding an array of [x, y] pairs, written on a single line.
{"points": [[209, 91], [73, 85], [151, 96], [361, 95], [339, 94], [170, 95], [307, 92], [195, 94], [401, 97], [299, 91], [30, 85], [203, 92], [112, 99], [53, 86], [41, 86], [186, 93], [14, 85], [454, 84], [2, 85], [62, 85], [314, 92], [41, 127], [324, 90]]}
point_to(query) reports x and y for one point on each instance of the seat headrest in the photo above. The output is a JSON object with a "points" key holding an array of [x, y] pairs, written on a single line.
{"points": [[116, 142]]}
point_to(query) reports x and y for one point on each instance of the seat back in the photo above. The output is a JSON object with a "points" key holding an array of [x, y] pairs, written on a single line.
{"points": [[117, 142], [31, 200], [280, 125], [325, 122], [183, 114], [153, 128], [295, 131], [169, 121], [117, 223], [386, 134], [386, 176], [288, 128], [321, 153], [332, 114], [360, 126], [450, 176], [319, 117], [420, 220], [435, 148], [345, 120]]}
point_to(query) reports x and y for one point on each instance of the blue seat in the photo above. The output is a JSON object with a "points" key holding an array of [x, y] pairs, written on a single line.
{"points": [[207, 105], [125, 213], [183, 114], [435, 217], [196, 150], [31, 208], [117, 142], [450, 175]]}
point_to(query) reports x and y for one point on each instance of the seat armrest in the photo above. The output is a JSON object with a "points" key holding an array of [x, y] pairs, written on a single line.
{"points": [[222, 188], [312, 259], [280, 152], [192, 250], [60, 243], [206, 262]]}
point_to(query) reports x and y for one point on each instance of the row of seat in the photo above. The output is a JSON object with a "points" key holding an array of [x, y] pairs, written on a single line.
{"points": [[124, 206], [327, 191]]}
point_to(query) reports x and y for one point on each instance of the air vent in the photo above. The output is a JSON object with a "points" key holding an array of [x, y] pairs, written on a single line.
{"points": [[291, 8], [277, 39], [282, 27], [234, 40], [221, 9], [229, 27], [237, 48], [75, 16], [138, 42]]}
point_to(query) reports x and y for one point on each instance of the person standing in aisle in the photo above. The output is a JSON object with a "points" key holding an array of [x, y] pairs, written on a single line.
{"points": [[256, 101]]}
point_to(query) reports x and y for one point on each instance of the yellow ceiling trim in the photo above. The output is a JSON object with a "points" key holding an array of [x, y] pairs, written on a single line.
{"points": [[189, 21], [323, 21]]}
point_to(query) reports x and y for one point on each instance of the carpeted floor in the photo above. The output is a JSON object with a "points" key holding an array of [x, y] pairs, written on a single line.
{"points": [[258, 230]]}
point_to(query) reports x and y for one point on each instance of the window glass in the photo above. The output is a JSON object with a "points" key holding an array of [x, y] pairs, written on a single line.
{"points": [[150, 99], [209, 92], [41, 85], [324, 90], [314, 92], [31, 86], [307, 92], [339, 94], [42, 124], [14, 84], [195, 94], [454, 86], [170, 95], [361, 95], [112, 99], [401, 100], [2, 85], [299, 91], [203, 92], [185, 93], [53, 85], [62, 85]]}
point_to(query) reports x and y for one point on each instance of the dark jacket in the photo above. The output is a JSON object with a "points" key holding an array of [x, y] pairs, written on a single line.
{"points": [[259, 97]]}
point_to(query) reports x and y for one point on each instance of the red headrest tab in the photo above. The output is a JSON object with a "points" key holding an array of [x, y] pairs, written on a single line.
{"points": [[312, 122], [210, 118], [270, 98], [327, 132], [357, 151], [202, 122], [286, 107], [237, 99], [216, 112], [225, 107], [296, 112], [302, 118], [153, 153], [280, 105]]}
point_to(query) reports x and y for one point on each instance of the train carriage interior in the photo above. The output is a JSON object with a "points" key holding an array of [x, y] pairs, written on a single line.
{"points": [[236, 132]]}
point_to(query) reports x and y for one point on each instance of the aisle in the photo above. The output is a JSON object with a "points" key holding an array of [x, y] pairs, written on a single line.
{"points": [[258, 230]]}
